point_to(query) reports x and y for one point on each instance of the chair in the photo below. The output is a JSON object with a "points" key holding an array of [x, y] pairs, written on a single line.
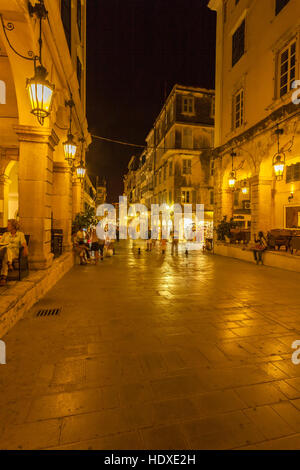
{"points": [[20, 265]]}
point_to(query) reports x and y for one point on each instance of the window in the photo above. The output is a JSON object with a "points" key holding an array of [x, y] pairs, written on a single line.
{"points": [[212, 167], [2, 92], [287, 68], [185, 197], [238, 109], [171, 112], [187, 105], [79, 73], [79, 19], [65, 10], [165, 172], [238, 43], [187, 141], [280, 4], [187, 167], [159, 176], [293, 173], [170, 168], [292, 217], [211, 198]]}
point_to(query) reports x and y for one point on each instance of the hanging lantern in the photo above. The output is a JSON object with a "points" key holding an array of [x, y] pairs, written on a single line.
{"points": [[70, 149], [232, 176], [81, 171], [279, 165], [245, 188], [40, 92], [232, 179]]}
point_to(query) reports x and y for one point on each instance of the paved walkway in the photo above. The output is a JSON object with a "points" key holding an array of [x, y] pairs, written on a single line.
{"points": [[151, 352]]}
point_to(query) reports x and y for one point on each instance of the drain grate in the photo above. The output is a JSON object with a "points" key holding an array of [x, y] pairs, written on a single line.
{"points": [[47, 312]]}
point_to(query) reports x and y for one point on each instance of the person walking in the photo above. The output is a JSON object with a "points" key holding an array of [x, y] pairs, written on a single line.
{"points": [[95, 247], [260, 246], [149, 241], [163, 245], [175, 243]]}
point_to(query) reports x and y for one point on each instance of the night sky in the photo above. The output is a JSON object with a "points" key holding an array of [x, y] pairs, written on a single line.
{"points": [[136, 51]]}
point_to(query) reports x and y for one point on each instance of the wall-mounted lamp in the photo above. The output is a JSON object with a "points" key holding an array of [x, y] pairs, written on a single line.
{"points": [[279, 157], [291, 197], [70, 147], [40, 90], [232, 176], [81, 169], [245, 189]]}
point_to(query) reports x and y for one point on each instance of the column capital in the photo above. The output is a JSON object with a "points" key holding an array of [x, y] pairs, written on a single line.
{"points": [[37, 135], [61, 167], [256, 180]]}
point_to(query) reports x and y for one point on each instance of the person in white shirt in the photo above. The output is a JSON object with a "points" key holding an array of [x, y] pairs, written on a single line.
{"points": [[12, 241]]}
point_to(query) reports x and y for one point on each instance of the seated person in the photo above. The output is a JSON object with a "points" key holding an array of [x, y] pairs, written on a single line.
{"points": [[14, 240]]}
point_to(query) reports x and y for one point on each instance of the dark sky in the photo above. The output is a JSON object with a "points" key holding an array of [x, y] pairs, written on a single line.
{"points": [[137, 49]]}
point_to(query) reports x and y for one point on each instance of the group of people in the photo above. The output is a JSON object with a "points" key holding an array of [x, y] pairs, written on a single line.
{"points": [[10, 243], [151, 243], [87, 242]]}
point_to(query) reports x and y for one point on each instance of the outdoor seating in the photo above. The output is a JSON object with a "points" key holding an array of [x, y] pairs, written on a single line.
{"points": [[278, 238], [238, 236], [295, 244], [20, 264]]}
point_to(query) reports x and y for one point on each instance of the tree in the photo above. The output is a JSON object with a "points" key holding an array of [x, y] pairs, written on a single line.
{"points": [[85, 219]]}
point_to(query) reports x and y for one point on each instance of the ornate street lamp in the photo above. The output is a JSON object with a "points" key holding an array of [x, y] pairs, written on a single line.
{"points": [[40, 93], [81, 169], [279, 165], [40, 90], [279, 158], [70, 147], [245, 189], [232, 176]]}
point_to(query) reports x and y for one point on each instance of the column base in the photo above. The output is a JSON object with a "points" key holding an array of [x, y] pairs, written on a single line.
{"points": [[36, 263]]}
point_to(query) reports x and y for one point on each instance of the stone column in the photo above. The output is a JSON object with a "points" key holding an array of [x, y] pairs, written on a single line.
{"points": [[227, 203], [62, 201], [261, 205], [77, 197], [35, 190], [4, 187]]}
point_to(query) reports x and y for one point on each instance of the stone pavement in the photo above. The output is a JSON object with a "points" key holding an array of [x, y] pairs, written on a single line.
{"points": [[156, 353]]}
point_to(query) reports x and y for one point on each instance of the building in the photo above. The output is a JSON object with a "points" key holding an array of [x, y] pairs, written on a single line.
{"points": [[175, 167], [36, 182], [101, 192], [89, 194], [257, 132]]}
